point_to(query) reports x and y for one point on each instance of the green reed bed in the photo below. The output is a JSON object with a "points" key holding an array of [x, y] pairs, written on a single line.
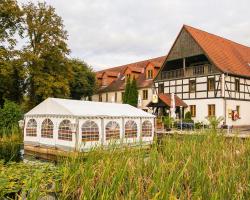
{"points": [[180, 167], [11, 141]]}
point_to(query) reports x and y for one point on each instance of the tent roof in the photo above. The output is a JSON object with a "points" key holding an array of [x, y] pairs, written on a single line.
{"points": [[56, 106]]}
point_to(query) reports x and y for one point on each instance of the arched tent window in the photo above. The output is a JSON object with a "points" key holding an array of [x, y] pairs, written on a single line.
{"points": [[147, 129], [47, 129], [130, 129], [90, 131], [112, 130], [31, 128], [64, 131]]}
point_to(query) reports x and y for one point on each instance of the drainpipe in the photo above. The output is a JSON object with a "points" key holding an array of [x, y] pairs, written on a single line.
{"points": [[77, 134], [102, 131]]}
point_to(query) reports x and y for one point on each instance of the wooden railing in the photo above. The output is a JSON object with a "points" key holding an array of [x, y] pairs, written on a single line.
{"points": [[188, 72]]}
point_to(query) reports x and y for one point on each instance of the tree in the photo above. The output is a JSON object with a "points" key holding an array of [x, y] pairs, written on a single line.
{"points": [[127, 90], [10, 114], [83, 82], [11, 70], [131, 93], [45, 54], [10, 22]]}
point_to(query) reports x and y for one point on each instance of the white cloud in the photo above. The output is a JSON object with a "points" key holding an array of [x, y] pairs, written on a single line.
{"points": [[114, 32]]}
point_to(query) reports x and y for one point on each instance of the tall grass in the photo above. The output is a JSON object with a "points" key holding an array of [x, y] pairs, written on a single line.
{"points": [[13, 134], [10, 144], [180, 167]]}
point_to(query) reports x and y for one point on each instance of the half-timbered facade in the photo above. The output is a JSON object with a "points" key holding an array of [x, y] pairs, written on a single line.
{"points": [[210, 74]]}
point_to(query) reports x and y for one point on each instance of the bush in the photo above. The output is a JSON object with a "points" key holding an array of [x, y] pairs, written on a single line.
{"points": [[168, 121], [198, 125], [214, 121], [188, 116], [10, 114]]}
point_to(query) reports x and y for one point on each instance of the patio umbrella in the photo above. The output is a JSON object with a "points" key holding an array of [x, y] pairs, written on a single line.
{"points": [[172, 108]]}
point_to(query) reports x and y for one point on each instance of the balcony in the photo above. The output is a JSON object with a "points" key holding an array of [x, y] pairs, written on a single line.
{"points": [[197, 70]]}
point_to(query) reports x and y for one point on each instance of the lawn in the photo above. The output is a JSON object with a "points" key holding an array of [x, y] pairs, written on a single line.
{"points": [[179, 167]]}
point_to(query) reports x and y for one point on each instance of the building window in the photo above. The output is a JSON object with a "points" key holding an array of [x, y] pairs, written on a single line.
{"points": [[238, 110], [237, 85], [65, 132], [107, 97], [90, 131], [116, 97], [100, 97], [112, 130], [130, 129], [161, 88], [210, 84], [31, 129], [145, 94], [47, 129], [150, 74], [147, 129], [192, 86], [211, 110], [193, 110]]}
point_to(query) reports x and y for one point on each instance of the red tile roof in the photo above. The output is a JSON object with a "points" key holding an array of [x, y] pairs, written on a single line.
{"points": [[230, 57], [142, 82], [166, 98]]}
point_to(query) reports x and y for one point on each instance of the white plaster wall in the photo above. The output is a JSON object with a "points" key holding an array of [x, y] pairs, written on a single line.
{"points": [[244, 112], [202, 108]]}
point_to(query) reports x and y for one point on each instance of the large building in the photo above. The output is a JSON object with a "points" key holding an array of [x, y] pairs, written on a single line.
{"points": [[112, 81], [209, 75]]}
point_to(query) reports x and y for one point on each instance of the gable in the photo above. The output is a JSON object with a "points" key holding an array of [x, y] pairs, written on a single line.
{"points": [[184, 46]]}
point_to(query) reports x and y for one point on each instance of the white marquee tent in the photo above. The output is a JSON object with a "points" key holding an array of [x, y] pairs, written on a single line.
{"points": [[81, 125]]}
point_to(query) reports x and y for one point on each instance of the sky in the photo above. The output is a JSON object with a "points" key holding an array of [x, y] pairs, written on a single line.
{"points": [[107, 33]]}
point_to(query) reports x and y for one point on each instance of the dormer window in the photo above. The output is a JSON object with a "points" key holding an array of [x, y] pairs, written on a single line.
{"points": [[150, 74]]}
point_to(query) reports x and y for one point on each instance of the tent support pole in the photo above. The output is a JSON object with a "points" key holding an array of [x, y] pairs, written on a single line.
{"points": [[102, 131]]}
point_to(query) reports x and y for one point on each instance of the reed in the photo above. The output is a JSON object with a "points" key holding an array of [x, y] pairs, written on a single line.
{"points": [[207, 166]]}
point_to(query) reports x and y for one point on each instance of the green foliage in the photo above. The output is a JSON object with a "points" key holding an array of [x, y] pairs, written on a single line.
{"points": [[214, 122], [11, 71], [131, 93], [10, 22], [182, 167], [10, 114], [168, 121], [83, 82], [188, 117], [125, 97], [45, 53]]}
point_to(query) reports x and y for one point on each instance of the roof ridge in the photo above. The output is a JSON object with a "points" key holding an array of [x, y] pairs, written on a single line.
{"points": [[125, 65]]}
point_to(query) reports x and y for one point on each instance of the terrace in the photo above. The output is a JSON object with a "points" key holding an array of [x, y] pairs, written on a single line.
{"points": [[204, 69]]}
